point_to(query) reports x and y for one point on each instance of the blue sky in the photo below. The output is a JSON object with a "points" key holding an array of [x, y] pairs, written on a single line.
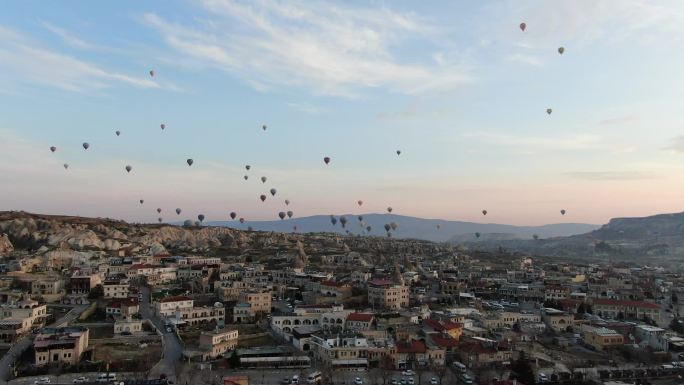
{"points": [[455, 85]]}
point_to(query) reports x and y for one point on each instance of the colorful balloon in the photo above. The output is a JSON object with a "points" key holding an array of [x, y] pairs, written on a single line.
{"points": [[387, 227], [290, 214], [66, 165], [262, 197], [477, 235], [248, 167], [242, 220], [389, 209], [53, 148], [159, 210], [129, 168], [287, 202], [360, 203], [233, 215], [118, 133], [326, 160], [152, 73], [263, 127], [190, 162], [263, 179], [86, 145], [282, 215], [398, 152], [394, 226], [159, 219], [562, 212], [484, 212], [246, 177], [142, 201], [561, 50], [178, 211], [343, 221], [523, 26], [201, 217], [549, 111], [273, 192]]}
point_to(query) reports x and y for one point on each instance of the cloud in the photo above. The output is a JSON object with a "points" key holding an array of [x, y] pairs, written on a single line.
{"points": [[620, 120], [306, 108], [525, 59], [69, 38], [612, 175], [327, 49], [676, 144], [575, 142], [24, 59]]}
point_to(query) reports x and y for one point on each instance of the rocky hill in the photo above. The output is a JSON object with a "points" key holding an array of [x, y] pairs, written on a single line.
{"points": [[659, 236], [24, 233]]}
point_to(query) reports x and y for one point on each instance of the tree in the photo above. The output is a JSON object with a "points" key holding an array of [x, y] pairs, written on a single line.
{"points": [[521, 370], [621, 316], [581, 309], [96, 293]]}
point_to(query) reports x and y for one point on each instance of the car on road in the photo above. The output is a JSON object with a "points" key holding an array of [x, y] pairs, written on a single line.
{"points": [[80, 380], [408, 373], [542, 377], [411, 381], [433, 381], [404, 381], [358, 381], [43, 380], [466, 379], [286, 381], [394, 382]]}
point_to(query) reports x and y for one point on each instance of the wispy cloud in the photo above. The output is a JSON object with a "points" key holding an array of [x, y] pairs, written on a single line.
{"points": [[69, 38], [612, 175], [306, 108], [574, 142], [620, 120], [525, 59], [676, 144], [327, 49], [24, 59]]}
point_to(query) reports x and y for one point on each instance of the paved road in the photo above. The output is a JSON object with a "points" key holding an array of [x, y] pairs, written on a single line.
{"points": [[7, 361], [173, 347]]}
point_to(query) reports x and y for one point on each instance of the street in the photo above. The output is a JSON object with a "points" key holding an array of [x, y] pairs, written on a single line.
{"points": [[172, 345]]}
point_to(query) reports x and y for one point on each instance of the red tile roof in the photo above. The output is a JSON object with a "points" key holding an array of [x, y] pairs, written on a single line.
{"points": [[381, 282], [415, 346], [443, 342], [141, 266], [360, 317], [628, 303]]}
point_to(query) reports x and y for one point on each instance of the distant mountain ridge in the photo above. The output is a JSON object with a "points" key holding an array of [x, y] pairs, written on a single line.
{"points": [[412, 227], [660, 235]]}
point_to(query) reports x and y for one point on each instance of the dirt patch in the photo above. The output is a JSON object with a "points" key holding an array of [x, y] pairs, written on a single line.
{"points": [[123, 355]]}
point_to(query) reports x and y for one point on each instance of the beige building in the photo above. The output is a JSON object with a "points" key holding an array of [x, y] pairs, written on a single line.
{"points": [[557, 320], [116, 288], [127, 325], [200, 315], [613, 308], [506, 319], [166, 307], [217, 342], [19, 318], [602, 338], [384, 293], [60, 345], [259, 301]]}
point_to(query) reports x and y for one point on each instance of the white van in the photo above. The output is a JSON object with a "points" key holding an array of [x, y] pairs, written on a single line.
{"points": [[295, 379], [459, 367], [314, 378]]}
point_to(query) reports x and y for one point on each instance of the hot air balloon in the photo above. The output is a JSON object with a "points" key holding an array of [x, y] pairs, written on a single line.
{"points": [[178, 211], [563, 212], [535, 236], [523, 26], [398, 152], [273, 191], [282, 215], [66, 165], [343, 221], [263, 127], [333, 220], [142, 201], [387, 227], [477, 235], [118, 133], [242, 220], [549, 111], [294, 228], [248, 167], [190, 162], [233, 215], [129, 168], [163, 126], [287, 202], [201, 217], [262, 197], [86, 145], [326, 159], [439, 226], [263, 179], [389, 235], [159, 219], [159, 210], [152, 73], [360, 218], [394, 226], [53, 148], [246, 177], [360, 203], [389, 209], [484, 212], [368, 229], [290, 214], [561, 50]]}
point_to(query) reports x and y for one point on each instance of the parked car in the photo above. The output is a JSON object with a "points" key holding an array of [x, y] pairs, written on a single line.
{"points": [[543, 377], [408, 373], [358, 381], [433, 381], [286, 381], [43, 380], [80, 380]]}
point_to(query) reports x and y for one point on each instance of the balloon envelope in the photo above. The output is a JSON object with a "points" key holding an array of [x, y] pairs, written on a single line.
{"points": [[561, 50], [262, 197], [233, 215], [66, 165], [389, 209], [246, 177], [563, 212], [152, 73], [287, 202], [248, 167], [359, 203], [242, 220], [201, 217], [282, 215], [523, 26], [549, 111], [263, 179], [326, 159], [86, 145], [484, 212], [290, 214], [159, 210], [53, 148], [178, 211], [142, 201], [118, 133], [273, 191], [163, 126], [129, 168], [190, 162]]}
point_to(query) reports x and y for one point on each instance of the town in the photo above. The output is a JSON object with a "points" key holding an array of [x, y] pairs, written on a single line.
{"points": [[273, 308]]}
